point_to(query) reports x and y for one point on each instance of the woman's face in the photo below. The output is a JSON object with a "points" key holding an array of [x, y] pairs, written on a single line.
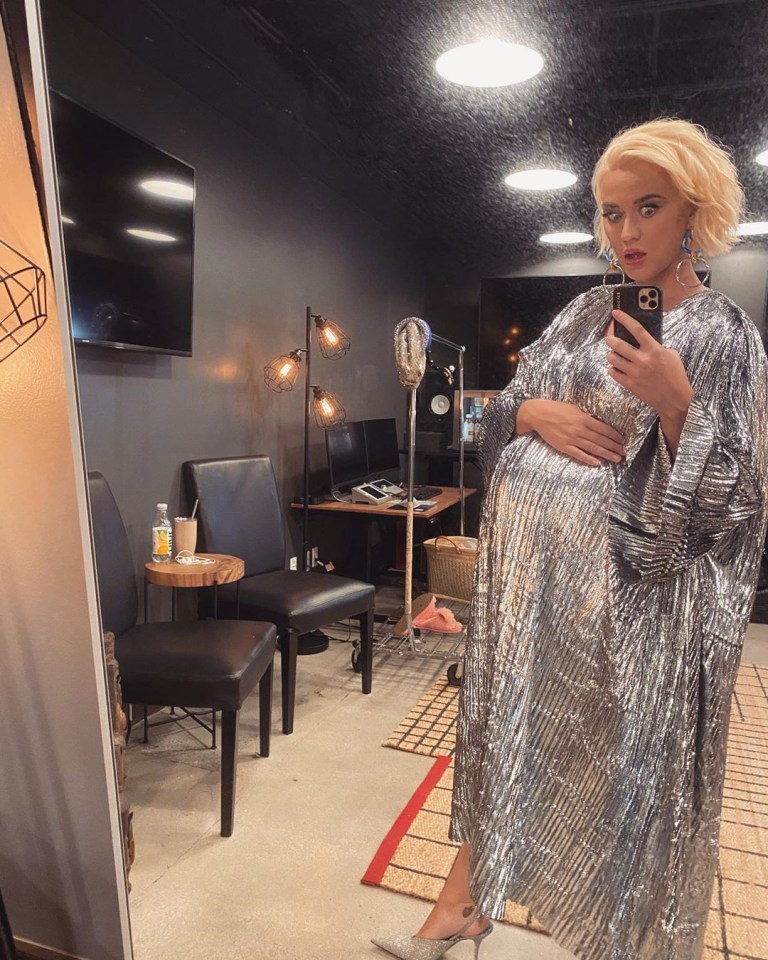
{"points": [[645, 218]]}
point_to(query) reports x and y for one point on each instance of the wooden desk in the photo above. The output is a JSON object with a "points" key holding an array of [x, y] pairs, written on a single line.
{"points": [[370, 512], [448, 498]]}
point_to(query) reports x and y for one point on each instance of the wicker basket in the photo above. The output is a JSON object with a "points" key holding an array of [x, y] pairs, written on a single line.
{"points": [[451, 565]]}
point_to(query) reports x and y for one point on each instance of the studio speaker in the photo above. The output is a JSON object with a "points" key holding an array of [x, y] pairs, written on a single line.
{"points": [[434, 407]]}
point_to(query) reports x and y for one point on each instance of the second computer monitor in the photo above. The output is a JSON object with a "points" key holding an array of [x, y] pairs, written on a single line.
{"points": [[382, 446]]}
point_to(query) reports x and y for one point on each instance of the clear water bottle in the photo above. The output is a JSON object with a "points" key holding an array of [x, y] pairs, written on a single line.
{"points": [[162, 536]]}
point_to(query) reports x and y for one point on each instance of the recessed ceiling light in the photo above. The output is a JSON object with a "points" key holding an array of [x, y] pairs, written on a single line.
{"points": [[170, 189], [762, 158], [566, 237], [489, 63], [752, 229], [151, 235], [68, 220], [540, 179]]}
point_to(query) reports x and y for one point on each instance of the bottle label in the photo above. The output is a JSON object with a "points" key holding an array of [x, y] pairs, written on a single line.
{"points": [[161, 541]]}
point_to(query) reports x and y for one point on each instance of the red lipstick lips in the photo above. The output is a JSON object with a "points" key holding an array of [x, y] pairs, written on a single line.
{"points": [[634, 257]]}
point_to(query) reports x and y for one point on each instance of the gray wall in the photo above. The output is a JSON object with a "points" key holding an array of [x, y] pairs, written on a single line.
{"points": [[270, 240], [61, 869]]}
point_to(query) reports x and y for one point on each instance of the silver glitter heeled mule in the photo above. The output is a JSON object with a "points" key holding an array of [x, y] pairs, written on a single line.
{"points": [[419, 948]]}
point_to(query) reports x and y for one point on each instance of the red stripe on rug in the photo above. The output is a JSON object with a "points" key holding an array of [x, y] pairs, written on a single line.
{"points": [[375, 872]]}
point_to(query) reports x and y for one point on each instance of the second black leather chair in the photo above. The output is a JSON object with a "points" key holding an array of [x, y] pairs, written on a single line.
{"points": [[239, 513]]}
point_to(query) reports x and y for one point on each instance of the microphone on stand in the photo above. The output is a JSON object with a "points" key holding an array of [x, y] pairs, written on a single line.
{"points": [[412, 340]]}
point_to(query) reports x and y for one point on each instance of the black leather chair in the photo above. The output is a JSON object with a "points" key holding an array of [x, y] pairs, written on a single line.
{"points": [[211, 663], [239, 513]]}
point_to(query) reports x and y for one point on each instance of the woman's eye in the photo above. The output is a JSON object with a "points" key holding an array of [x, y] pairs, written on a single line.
{"points": [[612, 216], [648, 210]]}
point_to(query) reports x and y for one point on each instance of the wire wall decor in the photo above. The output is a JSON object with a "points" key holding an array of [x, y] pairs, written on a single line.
{"points": [[23, 299]]}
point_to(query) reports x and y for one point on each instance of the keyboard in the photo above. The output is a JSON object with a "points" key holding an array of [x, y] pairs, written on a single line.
{"points": [[420, 507], [426, 493]]}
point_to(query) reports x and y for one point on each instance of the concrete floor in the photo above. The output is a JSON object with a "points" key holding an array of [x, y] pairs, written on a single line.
{"points": [[308, 820]]}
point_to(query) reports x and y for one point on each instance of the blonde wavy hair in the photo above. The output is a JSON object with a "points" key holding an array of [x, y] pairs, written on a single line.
{"points": [[700, 168]]}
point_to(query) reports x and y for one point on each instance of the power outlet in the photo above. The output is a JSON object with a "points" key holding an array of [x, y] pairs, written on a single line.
{"points": [[293, 563], [313, 557]]}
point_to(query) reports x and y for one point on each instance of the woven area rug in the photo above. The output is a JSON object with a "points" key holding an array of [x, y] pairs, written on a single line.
{"points": [[430, 728], [416, 854]]}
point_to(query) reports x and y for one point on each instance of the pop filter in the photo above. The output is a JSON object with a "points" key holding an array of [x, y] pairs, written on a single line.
{"points": [[412, 340]]}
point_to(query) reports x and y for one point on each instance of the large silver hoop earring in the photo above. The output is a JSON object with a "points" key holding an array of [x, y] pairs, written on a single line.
{"points": [[693, 261], [613, 267], [693, 257]]}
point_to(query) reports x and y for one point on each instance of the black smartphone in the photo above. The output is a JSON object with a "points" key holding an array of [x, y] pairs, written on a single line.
{"points": [[644, 304]]}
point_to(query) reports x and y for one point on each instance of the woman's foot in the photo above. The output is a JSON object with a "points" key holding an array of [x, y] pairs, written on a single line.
{"points": [[445, 920], [433, 941]]}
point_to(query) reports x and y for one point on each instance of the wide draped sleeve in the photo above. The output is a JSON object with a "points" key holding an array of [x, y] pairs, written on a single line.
{"points": [[665, 516], [498, 424]]}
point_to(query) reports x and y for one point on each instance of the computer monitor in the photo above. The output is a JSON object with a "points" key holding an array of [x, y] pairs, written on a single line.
{"points": [[382, 446], [347, 459]]}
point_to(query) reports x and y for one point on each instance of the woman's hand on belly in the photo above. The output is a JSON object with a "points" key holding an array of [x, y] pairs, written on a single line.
{"points": [[570, 430]]}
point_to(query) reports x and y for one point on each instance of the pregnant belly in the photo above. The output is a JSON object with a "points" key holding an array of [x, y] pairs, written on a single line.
{"points": [[528, 462], [545, 527]]}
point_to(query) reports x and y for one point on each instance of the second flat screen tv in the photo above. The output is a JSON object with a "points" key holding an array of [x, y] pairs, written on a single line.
{"points": [[515, 311], [128, 222]]}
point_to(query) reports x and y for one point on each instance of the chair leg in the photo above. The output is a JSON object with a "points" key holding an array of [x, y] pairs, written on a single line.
{"points": [[229, 730], [289, 645], [366, 648], [265, 711]]}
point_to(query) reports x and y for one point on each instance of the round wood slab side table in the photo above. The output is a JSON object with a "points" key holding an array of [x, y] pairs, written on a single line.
{"points": [[225, 569]]}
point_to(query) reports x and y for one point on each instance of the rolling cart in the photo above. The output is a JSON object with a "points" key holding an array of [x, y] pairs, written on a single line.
{"points": [[427, 644]]}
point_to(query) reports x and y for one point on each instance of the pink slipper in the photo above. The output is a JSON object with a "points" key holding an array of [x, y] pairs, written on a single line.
{"points": [[439, 619]]}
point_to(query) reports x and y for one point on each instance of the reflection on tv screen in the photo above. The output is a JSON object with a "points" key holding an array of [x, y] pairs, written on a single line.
{"points": [[128, 216]]}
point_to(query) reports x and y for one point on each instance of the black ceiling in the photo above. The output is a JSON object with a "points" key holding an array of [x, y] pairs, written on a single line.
{"points": [[360, 83]]}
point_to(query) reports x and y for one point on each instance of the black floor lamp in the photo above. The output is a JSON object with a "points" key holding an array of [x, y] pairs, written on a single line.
{"points": [[281, 375]]}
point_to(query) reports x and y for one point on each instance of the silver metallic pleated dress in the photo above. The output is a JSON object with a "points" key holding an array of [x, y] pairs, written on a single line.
{"points": [[608, 617]]}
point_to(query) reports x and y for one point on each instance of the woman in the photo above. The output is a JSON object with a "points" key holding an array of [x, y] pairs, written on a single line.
{"points": [[622, 528]]}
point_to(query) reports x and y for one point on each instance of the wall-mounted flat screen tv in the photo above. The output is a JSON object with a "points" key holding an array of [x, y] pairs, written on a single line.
{"points": [[127, 211]]}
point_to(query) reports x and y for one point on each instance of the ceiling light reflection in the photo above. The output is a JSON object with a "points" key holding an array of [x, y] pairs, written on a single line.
{"points": [[566, 236], [752, 229], [541, 179], [153, 235], [489, 63], [169, 189]]}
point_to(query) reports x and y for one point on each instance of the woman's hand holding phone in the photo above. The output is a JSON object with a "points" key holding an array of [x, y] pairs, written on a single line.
{"points": [[655, 374], [570, 430]]}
